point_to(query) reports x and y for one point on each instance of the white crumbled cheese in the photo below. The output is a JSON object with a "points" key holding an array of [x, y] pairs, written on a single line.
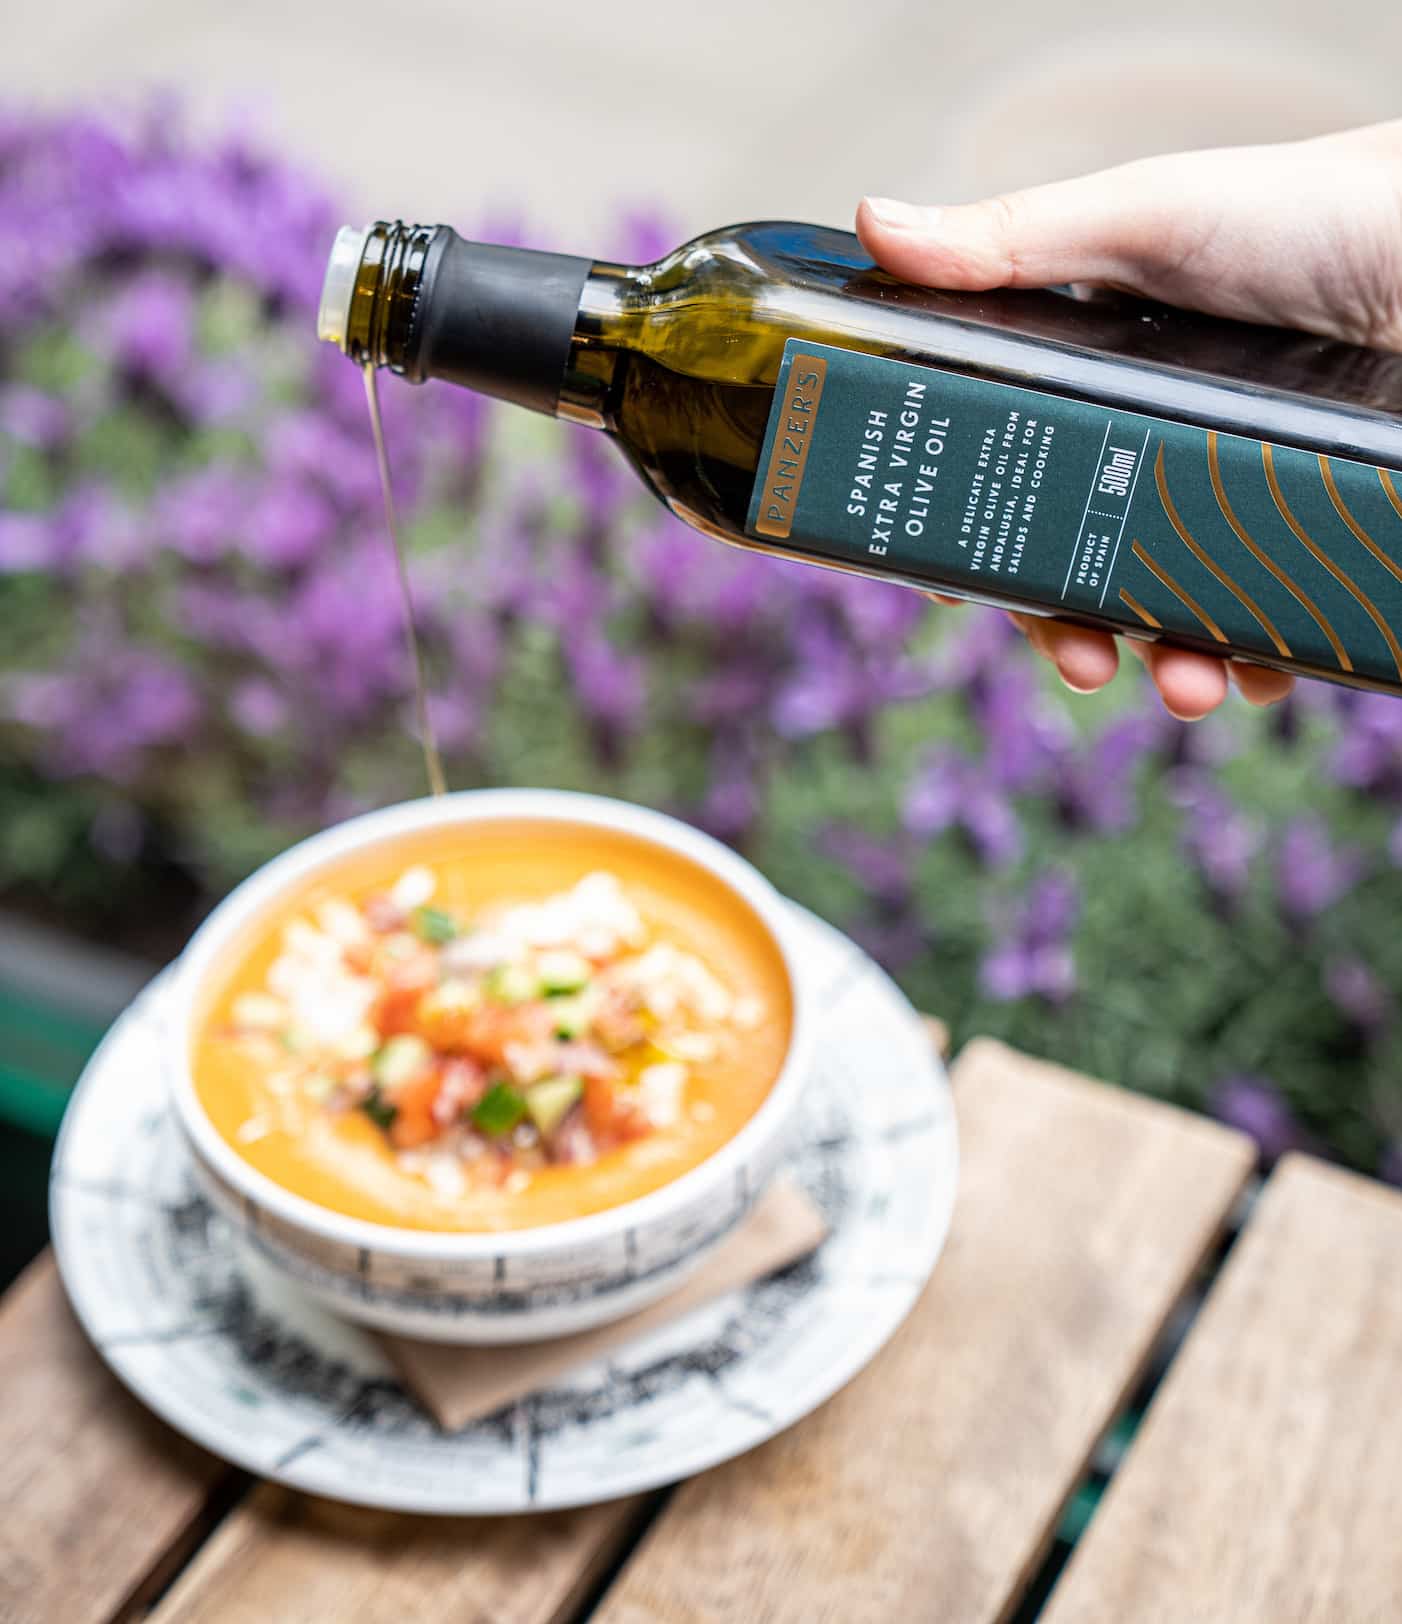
{"points": [[444, 1176], [252, 1130], [694, 1047], [259, 1012], [671, 981], [481, 951], [748, 1012], [342, 923], [660, 1091], [704, 993], [594, 917], [414, 887], [326, 1002], [529, 1062], [359, 1043], [516, 1182]]}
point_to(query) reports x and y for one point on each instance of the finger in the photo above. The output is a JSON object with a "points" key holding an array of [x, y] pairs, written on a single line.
{"points": [[1190, 684], [1260, 685], [939, 597], [1086, 660], [1098, 228]]}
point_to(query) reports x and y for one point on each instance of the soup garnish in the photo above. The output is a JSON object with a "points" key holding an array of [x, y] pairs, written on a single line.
{"points": [[490, 1045]]}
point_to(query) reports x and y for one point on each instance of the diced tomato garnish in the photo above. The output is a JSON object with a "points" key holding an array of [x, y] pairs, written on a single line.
{"points": [[447, 1023], [413, 1118], [608, 1114], [406, 981]]}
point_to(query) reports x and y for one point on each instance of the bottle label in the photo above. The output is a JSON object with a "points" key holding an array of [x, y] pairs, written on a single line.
{"points": [[1020, 495]]}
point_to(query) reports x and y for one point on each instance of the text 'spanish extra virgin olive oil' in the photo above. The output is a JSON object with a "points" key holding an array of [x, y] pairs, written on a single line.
{"points": [[1230, 488]]}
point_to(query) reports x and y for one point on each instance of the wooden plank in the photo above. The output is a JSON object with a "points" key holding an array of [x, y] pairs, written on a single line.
{"points": [[297, 1560], [1266, 1482], [931, 1485], [95, 1493]]}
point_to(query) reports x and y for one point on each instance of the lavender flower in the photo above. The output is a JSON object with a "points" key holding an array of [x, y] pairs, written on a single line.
{"points": [[1034, 958], [881, 867], [33, 418], [1220, 841], [1312, 873], [1368, 752], [1097, 788], [1357, 993], [732, 803], [1255, 1106], [951, 790], [611, 686], [150, 329]]}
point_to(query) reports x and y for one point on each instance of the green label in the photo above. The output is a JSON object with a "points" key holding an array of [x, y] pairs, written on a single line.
{"points": [[1018, 494]]}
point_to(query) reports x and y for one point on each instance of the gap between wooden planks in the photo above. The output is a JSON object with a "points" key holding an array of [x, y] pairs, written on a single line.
{"points": [[1265, 1486], [97, 1497], [928, 1488]]}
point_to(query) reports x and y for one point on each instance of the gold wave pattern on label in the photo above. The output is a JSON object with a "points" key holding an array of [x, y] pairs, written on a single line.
{"points": [[1263, 558], [1391, 490], [1321, 557], [1181, 593], [1131, 602], [1210, 564], [1359, 532]]}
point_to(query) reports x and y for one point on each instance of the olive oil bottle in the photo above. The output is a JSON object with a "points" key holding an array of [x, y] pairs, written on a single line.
{"points": [[1229, 488]]}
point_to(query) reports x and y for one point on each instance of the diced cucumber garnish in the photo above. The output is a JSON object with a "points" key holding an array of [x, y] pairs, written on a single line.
{"points": [[550, 1102], [433, 925], [499, 1110], [512, 984], [378, 1108], [562, 973], [401, 1060], [571, 1017]]}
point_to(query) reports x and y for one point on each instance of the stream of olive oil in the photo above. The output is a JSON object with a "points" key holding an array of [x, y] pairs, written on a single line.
{"points": [[433, 763]]}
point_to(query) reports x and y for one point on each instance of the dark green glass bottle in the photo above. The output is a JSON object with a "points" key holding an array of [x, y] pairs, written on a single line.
{"points": [[1230, 488]]}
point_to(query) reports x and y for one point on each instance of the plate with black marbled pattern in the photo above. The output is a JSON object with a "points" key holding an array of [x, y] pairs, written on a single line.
{"points": [[232, 1355]]}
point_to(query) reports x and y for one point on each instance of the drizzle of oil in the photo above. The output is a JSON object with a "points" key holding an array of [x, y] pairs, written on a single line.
{"points": [[433, 762]]}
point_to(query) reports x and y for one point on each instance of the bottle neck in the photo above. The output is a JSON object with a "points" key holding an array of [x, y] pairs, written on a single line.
{"points": [[428, 304]]}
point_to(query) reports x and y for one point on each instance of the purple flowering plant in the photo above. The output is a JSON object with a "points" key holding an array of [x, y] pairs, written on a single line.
{"points": [[203, 659]]}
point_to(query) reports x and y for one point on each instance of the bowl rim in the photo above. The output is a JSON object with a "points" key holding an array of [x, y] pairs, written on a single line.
{"points": [[299, 862]]}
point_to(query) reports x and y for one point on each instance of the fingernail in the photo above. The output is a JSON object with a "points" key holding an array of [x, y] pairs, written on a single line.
{"points": [[898, 216], [1072, 684]]}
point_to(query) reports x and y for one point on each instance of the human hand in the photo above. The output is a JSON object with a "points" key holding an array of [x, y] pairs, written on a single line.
{"points": [[1306, 234]]}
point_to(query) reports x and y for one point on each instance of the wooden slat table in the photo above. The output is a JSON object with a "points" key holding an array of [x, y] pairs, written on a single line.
{"points": [[1265, 1483]]}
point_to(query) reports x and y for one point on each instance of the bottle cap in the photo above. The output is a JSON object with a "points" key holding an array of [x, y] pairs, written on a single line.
{"points": [[339, 286]]}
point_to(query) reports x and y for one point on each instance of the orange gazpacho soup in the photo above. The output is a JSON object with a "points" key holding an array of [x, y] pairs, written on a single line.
{"points": [[493, 1026]]}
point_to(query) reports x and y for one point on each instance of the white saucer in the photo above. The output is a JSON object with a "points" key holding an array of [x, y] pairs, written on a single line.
{"points": [[236, 1359]]}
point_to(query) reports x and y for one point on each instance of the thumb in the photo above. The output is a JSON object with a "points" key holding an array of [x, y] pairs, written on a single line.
{"points": [[1099, 228]]}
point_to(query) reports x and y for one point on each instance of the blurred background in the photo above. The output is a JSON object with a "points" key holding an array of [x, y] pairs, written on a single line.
{"points": [[200, 652]]}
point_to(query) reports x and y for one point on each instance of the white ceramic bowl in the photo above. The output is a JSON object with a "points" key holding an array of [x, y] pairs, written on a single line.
{"points": [[519, 1285]]}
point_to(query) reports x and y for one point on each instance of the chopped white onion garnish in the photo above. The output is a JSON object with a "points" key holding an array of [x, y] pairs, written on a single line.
{"points": [[413, 888], [660, 1092]]}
